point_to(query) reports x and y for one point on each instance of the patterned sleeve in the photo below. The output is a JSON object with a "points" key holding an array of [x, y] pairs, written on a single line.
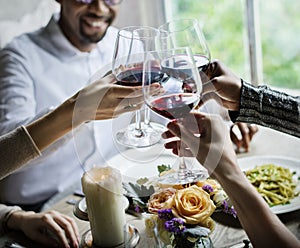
{"points": [[270, 108]]}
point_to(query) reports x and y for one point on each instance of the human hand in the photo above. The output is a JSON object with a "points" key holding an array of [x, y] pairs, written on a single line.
{"points": [[241, 135], [222, 85], [52, 229], [206, 137], [104, 99]]}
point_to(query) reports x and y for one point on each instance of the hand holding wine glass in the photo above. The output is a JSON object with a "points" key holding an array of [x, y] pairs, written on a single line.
{"points": [[180, 91]]}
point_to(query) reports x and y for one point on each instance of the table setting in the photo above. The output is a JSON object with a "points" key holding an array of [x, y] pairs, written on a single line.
{"points": [[227, 231], [145, 196]]}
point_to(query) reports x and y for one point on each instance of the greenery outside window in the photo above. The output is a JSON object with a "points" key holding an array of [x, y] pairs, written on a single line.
{"points": [[224, 23]]}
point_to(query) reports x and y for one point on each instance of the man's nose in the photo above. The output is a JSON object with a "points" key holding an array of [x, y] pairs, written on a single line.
{"points": [[100, 6]]}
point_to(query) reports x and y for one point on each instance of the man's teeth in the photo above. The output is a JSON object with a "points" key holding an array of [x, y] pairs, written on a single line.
{"points": [[96, 24]]}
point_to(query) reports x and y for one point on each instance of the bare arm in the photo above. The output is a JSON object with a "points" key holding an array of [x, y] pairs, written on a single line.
{"points": [[215, 152], [98, 101]]}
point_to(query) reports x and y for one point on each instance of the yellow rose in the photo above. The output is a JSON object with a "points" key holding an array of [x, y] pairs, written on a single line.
{"points": [[193, 205], [158, 199]]}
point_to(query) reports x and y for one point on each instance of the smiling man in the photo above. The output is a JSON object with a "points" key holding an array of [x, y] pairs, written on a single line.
{"points": [[85, 22], [39, 70]]}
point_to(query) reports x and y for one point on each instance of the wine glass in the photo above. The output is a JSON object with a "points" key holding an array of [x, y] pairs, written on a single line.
{"points": [[127, 66], [180, 88], [186, 32]]}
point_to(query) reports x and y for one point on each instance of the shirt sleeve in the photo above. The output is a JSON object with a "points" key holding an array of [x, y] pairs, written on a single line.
{"points": [[17, 91], [270, 108], [16, 149]]}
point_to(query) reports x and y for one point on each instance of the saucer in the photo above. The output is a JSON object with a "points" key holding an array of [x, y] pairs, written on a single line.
{"points": [[132, 239], [80, 209]]}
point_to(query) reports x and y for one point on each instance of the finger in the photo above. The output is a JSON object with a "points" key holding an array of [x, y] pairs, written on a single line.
{"points": [[235, 140], [130, 91], [181, 132], [60, 226], [167, 135], [208, 87], [108, 78], [177, 146], [245, 135], [121, 109], [205, 97], [70, 228], [253, 129]]}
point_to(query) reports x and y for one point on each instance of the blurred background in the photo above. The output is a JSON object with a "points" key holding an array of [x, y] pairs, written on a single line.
{"points": [[258, 40]]}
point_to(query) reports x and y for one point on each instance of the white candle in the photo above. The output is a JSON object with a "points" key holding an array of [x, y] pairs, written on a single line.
{"points": [[103, 191]]}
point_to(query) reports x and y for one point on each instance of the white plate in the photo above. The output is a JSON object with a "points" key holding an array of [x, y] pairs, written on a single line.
{"points": [[293, 164], [139, 163]]}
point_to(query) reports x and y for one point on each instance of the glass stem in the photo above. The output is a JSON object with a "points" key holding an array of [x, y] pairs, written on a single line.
{"points": [[147, 116], [138, 125], [182, 171]]}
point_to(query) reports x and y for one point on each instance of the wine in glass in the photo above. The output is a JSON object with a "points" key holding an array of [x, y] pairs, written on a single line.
{"points": [[179, 93], [131, 44]]}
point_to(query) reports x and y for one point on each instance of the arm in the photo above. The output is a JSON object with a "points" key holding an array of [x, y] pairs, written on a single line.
{"points": [[260, 105], [214, 151], [270, 108], [98, 101]]}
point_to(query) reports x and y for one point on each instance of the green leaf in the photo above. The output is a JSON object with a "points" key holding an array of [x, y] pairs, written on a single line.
{"points": [[138, 191], [197, 231], [163, 167]]}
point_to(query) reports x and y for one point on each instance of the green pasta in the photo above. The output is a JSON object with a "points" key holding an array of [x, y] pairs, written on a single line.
{"points": [[275, 183]]}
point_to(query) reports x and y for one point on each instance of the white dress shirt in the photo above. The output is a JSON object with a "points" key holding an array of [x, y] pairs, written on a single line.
{"points": [[39, 71]]}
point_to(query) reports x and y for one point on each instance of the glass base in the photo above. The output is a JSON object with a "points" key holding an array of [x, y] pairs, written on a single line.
{"points": [[190, 176], [149, 135], [132, 239]]}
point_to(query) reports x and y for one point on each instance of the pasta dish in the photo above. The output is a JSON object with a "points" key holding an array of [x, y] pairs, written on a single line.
{"points": [[276, 184]]}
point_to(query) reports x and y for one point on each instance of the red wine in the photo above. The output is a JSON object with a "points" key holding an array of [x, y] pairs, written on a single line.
{"points": [[134, 76], [174, 106]]}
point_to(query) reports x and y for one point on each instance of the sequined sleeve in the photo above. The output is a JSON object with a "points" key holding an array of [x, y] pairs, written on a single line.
{"points": [[270, 108]]}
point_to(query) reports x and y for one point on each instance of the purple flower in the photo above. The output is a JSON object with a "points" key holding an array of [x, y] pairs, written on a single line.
{"points": [[137, 209], [165, 214], [175, 225], [229, 210], [209, 189]]}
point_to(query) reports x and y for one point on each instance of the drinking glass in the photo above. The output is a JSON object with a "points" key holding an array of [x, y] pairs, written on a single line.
{"points": [[178, 93], [131, 44], [186, 33]]}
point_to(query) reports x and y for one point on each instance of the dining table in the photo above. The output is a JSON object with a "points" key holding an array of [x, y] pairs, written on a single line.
{"points": [[228, 231]]}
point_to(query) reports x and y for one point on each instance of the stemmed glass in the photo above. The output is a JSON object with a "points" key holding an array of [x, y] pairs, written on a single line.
{"points": [[180, 88], [182, 33], [127, 66], [185, 33]]}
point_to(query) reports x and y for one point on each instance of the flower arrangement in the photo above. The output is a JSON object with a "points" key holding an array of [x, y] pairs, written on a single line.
{"points": [[180, 215]]}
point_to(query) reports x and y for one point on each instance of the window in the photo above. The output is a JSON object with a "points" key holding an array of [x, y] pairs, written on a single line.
{"points": [[225, 25]]}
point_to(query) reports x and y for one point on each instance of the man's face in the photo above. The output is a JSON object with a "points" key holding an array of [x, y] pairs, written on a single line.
{"points": [[86, 24]]}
